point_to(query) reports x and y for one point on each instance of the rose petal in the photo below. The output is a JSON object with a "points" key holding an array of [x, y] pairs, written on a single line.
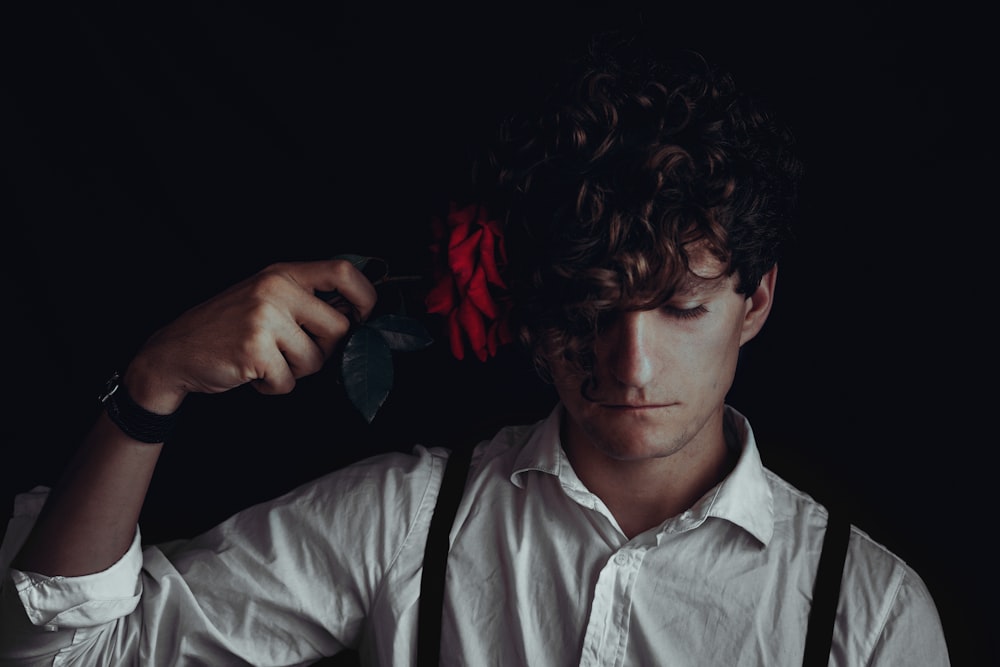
{"points": [[488, 260], [478, 292], [500, 333], [459, 231], [475, 329], [455, 340], [442, 297], [493, 226], [459, 241], [462, 259]]}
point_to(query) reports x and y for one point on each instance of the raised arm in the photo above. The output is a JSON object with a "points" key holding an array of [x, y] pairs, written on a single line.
{"points": [[268, 330]]}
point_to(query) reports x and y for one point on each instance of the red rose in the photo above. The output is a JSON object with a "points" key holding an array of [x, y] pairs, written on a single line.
{"points": [[468, 289]]}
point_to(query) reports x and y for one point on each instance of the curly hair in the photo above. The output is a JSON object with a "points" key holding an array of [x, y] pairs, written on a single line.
{"points": [[630, 161]]}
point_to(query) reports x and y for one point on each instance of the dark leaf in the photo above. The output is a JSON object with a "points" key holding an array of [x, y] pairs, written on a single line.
{"points": [[402, 333], [366, 368]]}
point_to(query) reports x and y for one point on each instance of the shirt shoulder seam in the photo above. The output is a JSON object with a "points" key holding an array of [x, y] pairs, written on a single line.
{"points": [[436, 472], [886, 613]]}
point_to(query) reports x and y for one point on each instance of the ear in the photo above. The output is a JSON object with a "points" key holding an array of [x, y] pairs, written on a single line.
{"points": [[758, 305]]}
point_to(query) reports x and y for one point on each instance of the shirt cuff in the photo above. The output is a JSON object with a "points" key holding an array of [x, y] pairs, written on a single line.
{"points": [[72, 602]]}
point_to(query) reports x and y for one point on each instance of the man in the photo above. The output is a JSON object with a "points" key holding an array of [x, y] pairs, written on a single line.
{"points": [[641, 213]]}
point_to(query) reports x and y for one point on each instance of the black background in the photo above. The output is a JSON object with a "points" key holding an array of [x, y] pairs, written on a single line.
{"points": [[151, 158]]}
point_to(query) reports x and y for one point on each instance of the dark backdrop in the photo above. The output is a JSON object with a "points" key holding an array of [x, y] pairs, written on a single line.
{"points": [[151, 158]]}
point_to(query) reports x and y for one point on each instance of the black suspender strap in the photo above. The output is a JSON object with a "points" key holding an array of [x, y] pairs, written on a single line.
{"points": [[436, 558], [826, 591]]}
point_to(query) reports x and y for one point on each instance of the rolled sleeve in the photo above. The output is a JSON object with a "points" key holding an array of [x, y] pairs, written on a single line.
{"points": [[84, 601], [69, 602]]}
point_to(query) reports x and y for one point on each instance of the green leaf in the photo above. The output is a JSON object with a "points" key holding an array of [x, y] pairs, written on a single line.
{"points": [[367, 372], [402, 333]]}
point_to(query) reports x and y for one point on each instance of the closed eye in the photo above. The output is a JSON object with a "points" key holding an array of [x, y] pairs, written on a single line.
{"points": [[685, 313]]}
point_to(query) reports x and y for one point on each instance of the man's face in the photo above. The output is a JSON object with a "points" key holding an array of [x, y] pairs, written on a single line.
{"points": [[661, 376]]}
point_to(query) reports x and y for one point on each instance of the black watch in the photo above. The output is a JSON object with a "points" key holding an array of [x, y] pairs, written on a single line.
{"points": [[134, 420]]}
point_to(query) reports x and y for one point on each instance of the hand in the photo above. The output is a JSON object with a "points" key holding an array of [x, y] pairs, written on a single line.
{"points": [[268, 330]]}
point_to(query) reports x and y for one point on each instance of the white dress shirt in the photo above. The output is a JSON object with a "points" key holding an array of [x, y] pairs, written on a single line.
{"points": [[539, 574]]}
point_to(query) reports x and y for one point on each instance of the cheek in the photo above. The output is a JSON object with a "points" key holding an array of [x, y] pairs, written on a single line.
{"points": [[716, 348], [568, 389]]}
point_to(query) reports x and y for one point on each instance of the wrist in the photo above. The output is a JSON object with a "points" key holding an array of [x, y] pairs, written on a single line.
{"points": [[132, 419], [149, 391]]}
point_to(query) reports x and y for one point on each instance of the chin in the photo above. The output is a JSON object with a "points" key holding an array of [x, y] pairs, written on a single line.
{"points": [[638, 447]]}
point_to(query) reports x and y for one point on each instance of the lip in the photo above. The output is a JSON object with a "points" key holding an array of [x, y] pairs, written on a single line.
{"points": [[629, 407]]}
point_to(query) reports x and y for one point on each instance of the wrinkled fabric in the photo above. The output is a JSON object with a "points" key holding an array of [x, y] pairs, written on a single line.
{"points": [[539, 574]]}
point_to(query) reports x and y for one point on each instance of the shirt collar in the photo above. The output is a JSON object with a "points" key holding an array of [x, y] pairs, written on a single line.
{"points": [[543, 449], [742, 498]]}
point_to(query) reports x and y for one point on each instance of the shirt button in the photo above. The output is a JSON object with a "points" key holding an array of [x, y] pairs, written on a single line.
{"points": [[622, 559]]}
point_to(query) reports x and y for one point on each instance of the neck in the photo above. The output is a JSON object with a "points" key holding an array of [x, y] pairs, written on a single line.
{"points": [[643, 493]]}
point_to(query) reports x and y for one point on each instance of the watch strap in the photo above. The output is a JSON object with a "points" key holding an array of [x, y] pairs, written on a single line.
{"points": [[134, 420]]}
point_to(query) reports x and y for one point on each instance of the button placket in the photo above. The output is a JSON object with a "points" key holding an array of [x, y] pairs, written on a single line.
{"points": [[608, 627]]}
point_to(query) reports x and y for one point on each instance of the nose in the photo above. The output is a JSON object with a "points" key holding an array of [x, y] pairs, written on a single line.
{"points": [[629, 355]]}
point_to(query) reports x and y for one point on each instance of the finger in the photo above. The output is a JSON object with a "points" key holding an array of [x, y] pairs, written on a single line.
{"points": [[324, 327], [287, 351], [340, 304], [274, 376], [337, 275], [304, 353]]}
